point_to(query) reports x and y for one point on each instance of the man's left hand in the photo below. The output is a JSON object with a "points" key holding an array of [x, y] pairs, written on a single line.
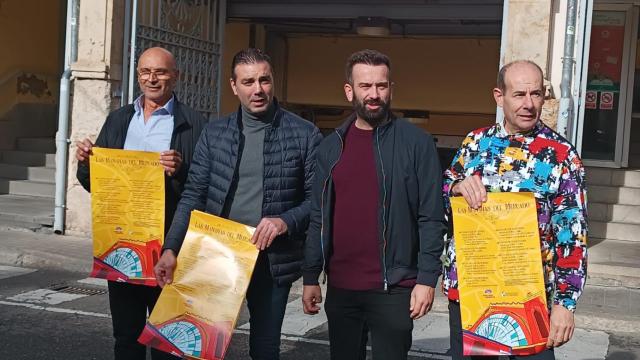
{"points": [[266, 231], [171, 160], [421, 301], [561, 327]]}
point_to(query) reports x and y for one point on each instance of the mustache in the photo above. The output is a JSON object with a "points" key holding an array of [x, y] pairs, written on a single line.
{"points": [[373, 102]]}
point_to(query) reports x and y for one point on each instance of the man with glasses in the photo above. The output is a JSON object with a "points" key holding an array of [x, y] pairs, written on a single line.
{"points": [[156, 121]]}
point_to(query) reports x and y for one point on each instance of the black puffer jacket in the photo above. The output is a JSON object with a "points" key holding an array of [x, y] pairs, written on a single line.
{"points": [[187, 126], [411, 214], [289, 164]]}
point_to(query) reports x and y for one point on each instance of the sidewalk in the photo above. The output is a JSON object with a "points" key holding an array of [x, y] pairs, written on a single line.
{"points": [[611, 300]]}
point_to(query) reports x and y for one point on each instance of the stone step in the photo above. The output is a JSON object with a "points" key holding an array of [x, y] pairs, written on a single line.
{"points": [[26, 209], [28, 158], [614, 212], [614, 231], [27, 187], [37, 144], [613, 195], [614, 262], [35, 173], [613, 177]]}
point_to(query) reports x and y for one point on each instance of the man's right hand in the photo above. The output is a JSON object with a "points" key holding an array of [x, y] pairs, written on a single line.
{"points": [[472, 190], [83, 150], [164, 268], [311, 296]]}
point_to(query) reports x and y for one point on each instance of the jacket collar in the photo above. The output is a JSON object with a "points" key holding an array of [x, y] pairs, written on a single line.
{"points": [[277, 115], [344, 127]]}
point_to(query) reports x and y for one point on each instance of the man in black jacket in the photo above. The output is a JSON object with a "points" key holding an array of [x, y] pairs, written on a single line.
{"points": [[156, 121], [254, 166], [377, 221]]}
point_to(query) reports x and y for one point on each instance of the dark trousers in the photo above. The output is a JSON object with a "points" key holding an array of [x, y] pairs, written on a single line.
{"points": [[266, 302], [455, 328], [129, 304], [385, 314]]}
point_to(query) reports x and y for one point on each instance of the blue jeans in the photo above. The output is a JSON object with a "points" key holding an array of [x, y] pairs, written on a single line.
{"points": [[266, 302]]}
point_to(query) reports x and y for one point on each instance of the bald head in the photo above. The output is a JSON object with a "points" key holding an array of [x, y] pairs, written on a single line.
{"points": [[158, 54], [157, 75], [519, 64]]}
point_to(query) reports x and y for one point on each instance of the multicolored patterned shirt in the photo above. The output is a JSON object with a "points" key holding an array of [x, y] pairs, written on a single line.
{"points": [[542, 162]]}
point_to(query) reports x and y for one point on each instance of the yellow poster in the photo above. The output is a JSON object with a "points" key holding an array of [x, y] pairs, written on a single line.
{"points": [[196, 314], [127, 208], [500, 279]]}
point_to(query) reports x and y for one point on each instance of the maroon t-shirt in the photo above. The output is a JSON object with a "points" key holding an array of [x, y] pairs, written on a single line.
{"points": [[355, 263]]}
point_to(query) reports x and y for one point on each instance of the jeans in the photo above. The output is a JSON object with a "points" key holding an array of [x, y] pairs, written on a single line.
{"points": [[385, 314], [455, 328], [266, 302], [129, 304]]}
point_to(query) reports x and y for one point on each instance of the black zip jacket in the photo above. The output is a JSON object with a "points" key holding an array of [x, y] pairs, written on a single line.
{"points": [[411, 216], [187, 126]]}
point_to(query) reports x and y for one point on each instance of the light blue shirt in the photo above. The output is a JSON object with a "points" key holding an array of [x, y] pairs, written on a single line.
{"points": [[155, 135]]}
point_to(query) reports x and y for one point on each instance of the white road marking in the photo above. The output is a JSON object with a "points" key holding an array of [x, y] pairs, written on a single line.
{"points": [[45, 296], [94, 281], [56, 309], [11, 271]]}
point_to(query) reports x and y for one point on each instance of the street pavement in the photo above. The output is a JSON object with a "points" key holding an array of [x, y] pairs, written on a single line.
{"points": [[49, 309]]}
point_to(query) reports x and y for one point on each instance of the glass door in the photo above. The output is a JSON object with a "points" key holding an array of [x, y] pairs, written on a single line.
{"points": [[606, 108]]}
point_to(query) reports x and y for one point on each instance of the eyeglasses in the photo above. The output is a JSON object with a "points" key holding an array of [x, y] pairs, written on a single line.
{"points": [[160, 74]]}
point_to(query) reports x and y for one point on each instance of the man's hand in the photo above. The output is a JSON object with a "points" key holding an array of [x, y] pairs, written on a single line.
{"points": [[165, 267], [171, 160], [266, 231], [311, 296], [561, 327], [83, 151], [421, 301], [472, 190]]}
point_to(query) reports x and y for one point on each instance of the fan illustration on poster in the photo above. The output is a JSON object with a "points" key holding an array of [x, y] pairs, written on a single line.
{"points": [[186, 336], [128, 262], [510, 330]]}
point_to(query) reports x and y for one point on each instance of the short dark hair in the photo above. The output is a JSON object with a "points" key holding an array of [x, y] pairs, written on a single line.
{"points": [[368, 57], [502, 74], [249, 56]]}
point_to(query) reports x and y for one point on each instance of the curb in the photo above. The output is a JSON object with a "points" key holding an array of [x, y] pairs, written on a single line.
{"points": [[39, 259]]}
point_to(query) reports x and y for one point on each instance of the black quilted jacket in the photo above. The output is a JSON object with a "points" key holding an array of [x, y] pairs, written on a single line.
{"points": [[289, 162]]}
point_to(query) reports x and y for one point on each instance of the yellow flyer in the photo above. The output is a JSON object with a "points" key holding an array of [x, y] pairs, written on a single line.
{"points": [[127, 208], [196, 314], [500, 279]]}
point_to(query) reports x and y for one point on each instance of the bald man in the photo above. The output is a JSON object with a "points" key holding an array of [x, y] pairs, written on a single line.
{"points": [[158, 122]]}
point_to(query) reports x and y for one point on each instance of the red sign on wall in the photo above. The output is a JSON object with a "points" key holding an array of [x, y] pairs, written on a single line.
{"points": [[606, 100], [590, 99]]}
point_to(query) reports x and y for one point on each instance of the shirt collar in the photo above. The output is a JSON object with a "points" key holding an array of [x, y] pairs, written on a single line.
{"points": [[501, 131], [165, 109]]}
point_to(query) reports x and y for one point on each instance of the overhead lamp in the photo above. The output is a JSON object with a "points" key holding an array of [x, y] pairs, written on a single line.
{"points": [[373, 26]]}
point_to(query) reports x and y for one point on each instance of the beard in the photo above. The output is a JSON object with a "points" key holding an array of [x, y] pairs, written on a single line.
{"points": [[372, 117]]}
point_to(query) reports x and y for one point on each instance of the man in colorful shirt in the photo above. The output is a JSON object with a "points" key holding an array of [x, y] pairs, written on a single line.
{"points": [[521, 154]]}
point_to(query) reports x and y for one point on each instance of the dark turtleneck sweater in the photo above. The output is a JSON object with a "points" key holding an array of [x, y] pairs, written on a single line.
{"points": [[246, 203]]}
